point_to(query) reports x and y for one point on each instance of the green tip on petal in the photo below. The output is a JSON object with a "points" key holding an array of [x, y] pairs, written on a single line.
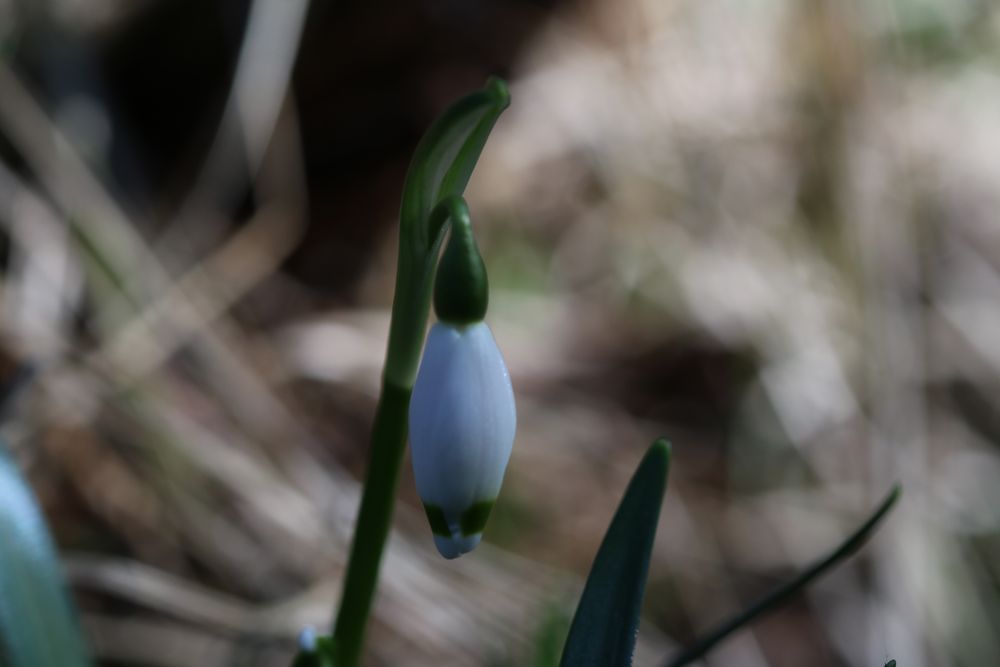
{"points": [[463, 538], [473, 520], [435, 516]]}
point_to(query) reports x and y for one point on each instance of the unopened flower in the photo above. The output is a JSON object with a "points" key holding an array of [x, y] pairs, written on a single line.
{"points": [[462, 414], [462, 423]]}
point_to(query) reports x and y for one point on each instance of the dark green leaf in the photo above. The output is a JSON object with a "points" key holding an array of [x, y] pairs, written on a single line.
{"points": [[38, 627], [445, 158], [607, 619]]}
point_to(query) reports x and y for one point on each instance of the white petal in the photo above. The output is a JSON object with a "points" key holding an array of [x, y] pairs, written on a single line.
{"points": [[462, 424], [455, 546]]}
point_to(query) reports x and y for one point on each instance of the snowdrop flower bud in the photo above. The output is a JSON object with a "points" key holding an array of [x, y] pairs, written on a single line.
{"points": [[462, 415]]}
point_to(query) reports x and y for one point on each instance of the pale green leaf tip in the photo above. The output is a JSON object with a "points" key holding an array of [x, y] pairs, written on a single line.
{"points": [[897, 491], [887, 504], [662, 445], [498, 88], [661, 449]]}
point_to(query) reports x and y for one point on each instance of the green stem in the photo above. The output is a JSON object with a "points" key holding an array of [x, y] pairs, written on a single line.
{"points": [[410, 309], [777, 597], [372, 528], [441, 167], [412, 303]]}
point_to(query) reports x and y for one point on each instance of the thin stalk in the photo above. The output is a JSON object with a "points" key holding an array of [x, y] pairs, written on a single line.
{"points": [[441, 167], [372, 528], [777, 597]]}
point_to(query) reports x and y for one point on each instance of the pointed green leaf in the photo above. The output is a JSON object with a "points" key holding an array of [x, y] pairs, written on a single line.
{"points": [[38, 627], [607, 619], [445, 158]]}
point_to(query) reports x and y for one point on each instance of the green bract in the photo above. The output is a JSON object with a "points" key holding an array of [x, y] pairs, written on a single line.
{"points": [[439, 172]]}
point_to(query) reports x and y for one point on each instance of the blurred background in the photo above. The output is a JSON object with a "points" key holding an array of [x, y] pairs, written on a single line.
{"points": [[765, 230]]}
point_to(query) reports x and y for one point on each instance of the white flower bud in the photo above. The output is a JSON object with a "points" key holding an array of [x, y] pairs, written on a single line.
{"points": [[462, 423]]}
